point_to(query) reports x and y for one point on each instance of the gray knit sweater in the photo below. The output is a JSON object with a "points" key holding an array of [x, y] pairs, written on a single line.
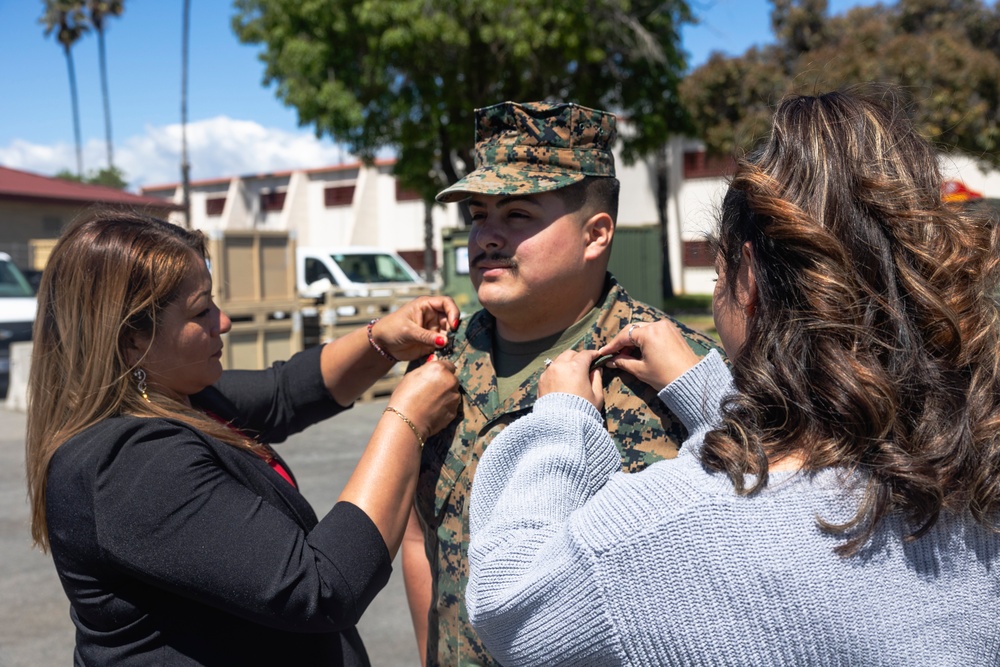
{"points": [[574, 562]]}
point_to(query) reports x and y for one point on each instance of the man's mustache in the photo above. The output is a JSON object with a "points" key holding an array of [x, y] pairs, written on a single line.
{"points": [[494, 258]]}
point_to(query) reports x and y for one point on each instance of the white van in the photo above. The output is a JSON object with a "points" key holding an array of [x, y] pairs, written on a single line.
{"points": [[17, 314], [360, 271]]}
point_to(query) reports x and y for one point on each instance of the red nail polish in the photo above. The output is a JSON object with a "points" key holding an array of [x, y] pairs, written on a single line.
{"points": [[430, 357], [455, 325], [440, 341]]}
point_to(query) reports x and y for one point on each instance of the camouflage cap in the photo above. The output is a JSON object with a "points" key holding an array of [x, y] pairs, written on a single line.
{"points": [[536, 147]]}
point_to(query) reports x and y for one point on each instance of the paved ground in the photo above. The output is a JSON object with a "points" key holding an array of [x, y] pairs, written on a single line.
{"points": [[35, 629]]}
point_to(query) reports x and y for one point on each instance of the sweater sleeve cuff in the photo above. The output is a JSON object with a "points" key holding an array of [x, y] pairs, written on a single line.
{"points": [[560, 402], [696, 396]]}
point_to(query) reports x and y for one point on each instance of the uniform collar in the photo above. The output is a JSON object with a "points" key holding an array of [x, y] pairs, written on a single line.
{"points": [[474, 344]]}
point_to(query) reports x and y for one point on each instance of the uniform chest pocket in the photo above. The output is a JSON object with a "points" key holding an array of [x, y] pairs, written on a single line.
{"points": [[441, 465], [450, 460]]}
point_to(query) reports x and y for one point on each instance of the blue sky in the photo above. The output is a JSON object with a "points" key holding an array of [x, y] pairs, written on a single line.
{"points": [[236, 126]]}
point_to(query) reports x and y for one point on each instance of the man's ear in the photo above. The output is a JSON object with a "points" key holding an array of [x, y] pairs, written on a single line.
{"points": [[746, 288], [599, 230]]}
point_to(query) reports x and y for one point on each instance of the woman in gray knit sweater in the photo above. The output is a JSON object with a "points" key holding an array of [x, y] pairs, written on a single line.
{"points": [[836, 501]]}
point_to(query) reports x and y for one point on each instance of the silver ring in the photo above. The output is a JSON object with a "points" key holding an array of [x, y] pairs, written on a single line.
{"points": [[548, 362], [632, 340]]}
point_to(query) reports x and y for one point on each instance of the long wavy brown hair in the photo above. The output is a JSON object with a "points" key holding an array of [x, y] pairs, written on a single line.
{"points": [[874, 341], [108, 279]]}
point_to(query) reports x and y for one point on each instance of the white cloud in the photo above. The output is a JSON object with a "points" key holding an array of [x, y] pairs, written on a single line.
{"points": [[36, 158], [217, 148]]}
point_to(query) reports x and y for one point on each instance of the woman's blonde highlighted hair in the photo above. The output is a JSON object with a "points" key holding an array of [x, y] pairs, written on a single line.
{"points": [[107, 281], [875, 339]]}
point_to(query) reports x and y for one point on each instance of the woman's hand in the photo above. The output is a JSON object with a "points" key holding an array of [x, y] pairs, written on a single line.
{"points": [[570, 373], [656, 353], [428, 396], [417, 328]]}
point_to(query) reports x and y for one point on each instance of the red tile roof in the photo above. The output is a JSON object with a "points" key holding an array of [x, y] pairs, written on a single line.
{"points": [[24, 186]]}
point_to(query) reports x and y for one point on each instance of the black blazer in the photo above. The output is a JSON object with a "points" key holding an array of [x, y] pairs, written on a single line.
{"points": [[177, 549]]}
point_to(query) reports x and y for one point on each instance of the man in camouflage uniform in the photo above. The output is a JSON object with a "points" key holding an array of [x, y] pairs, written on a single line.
{"points": [[538, 252]]}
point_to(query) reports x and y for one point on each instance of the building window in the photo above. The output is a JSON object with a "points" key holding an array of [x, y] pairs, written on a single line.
{"points": [[699, 164], [338, 195], [214, 206], [698, 253], [272, 201], [402, 194]]}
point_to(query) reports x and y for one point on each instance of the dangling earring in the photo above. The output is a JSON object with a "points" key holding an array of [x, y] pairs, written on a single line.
{"points": [[140, 382]]}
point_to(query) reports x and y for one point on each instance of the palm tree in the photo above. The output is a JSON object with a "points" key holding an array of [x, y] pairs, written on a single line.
{"points": [[67, 19], [99, 10], [185, 166]]}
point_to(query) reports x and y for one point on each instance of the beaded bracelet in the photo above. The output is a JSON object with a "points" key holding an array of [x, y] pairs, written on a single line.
{"points": [[413, 427], [376, 346]]}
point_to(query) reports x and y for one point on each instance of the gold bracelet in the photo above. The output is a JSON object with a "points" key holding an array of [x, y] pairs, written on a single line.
{"points": [[413, 427]]}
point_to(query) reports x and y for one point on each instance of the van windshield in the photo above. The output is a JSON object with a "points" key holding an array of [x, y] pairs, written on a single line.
{"points": [[372, 268], [12, 282]]}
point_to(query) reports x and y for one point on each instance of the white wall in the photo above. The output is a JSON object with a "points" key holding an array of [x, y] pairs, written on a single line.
{"points": [[699, 203], [965, 169], [637, 199], [328, 226], [374, 217]]}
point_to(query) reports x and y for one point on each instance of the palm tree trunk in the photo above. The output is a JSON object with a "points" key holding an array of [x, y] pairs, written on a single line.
{"points": [[662, 176], [185, 166], [66, 19], [107, 98], [76, 112]]}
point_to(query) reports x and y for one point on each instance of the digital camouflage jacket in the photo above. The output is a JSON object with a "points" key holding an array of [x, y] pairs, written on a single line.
{"points": [[642, 427]]}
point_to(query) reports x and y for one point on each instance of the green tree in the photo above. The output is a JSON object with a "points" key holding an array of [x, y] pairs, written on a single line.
{"points": [[67, 175], [99, 11], [799, 25], [944, 54], [111, 177], [407, 74], [67, 20]]}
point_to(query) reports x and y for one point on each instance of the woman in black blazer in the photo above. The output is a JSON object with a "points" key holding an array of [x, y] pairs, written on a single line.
{"points": [[178, 533]]}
